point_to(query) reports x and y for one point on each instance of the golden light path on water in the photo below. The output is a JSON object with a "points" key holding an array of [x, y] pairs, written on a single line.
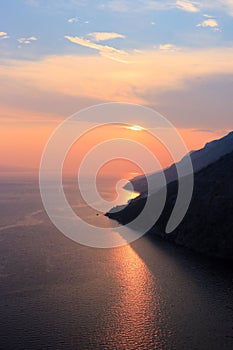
{"points": [[127, 196], [137, 308], [123, 195]]}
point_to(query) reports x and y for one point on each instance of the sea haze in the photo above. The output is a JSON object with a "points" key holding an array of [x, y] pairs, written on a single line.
{"points": [[58, 294]]}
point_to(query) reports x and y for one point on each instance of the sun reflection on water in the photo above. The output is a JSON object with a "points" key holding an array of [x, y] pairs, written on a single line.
{"points": [[138, 309], [124, 196]]}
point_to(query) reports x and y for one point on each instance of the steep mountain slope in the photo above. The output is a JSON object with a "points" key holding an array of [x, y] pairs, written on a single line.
{"points": [[200, 159], [208, 224]]}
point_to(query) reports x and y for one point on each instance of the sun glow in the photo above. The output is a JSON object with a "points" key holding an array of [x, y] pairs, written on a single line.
{"points": [[135, 128]]}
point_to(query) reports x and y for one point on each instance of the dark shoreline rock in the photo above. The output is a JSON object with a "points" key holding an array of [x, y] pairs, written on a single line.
{"points": [[208, 224]]}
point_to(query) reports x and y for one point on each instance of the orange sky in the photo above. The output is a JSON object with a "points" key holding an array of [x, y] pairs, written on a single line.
{"points": [[23, 143], [37, 95]]}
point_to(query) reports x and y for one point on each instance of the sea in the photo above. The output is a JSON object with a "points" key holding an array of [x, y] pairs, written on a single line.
{"points": [[56, 293]]}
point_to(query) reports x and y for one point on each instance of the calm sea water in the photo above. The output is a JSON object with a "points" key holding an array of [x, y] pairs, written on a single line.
{"points": [[57, 294]]}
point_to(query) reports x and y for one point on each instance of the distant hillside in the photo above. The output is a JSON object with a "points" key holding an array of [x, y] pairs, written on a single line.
{"points": [[208, 224], [200, 159]]}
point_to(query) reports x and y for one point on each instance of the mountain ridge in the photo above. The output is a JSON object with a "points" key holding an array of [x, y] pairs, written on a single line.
{"points": [[207, 227], [201, 158]]}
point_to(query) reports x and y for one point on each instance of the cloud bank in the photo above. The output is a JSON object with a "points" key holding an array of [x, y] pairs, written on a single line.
{"points": [[183, 84], [104, 50]]}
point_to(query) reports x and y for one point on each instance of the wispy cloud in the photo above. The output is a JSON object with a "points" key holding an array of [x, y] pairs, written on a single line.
{"points": [[4, 35], [210, 22], [73, 20], [146, 5], [188, 6], [193, 6], [27, 41], [168, 48], [103, 36], [139, 5], [207, 16], [227, 5], [104, 50], [222, 5]]}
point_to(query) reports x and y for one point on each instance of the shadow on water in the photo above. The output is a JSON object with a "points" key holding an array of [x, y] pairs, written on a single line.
{"points": [[198, 292]]}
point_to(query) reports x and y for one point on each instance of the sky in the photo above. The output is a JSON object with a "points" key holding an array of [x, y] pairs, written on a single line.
{"points": [[59, 56]]}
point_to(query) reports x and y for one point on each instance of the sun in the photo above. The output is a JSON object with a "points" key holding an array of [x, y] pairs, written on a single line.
{"points": [[135, 128]]}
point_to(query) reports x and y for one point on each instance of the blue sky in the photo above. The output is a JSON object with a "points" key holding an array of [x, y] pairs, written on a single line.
{"points": [[143, 24]]}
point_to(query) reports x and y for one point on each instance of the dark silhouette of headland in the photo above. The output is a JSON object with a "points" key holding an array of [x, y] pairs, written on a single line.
{"points": [[208, 224]]}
